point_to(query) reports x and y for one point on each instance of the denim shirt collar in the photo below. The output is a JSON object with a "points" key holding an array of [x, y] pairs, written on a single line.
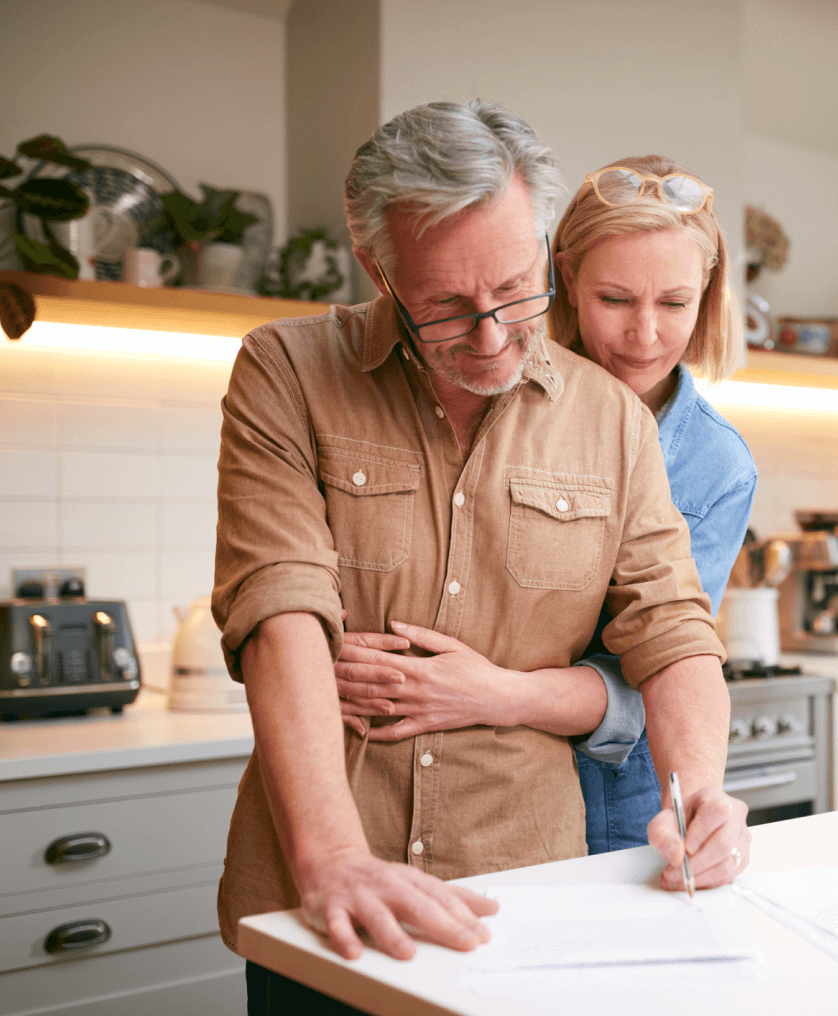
{"points": [[672, 418]]}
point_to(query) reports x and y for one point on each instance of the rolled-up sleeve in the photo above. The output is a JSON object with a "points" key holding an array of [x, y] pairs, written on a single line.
{"points": [[274, 550], [661, 614]]}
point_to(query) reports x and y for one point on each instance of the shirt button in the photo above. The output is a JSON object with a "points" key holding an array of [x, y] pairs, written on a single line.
{"points": [[454, 588], [440, 412], [359, 479], [426, 760], [562, 505], [459, 499], [417, 847]]}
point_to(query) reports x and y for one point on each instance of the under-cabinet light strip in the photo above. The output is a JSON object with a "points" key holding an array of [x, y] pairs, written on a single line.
{"points": [[180, 345], [768, 396], [93, 338]]}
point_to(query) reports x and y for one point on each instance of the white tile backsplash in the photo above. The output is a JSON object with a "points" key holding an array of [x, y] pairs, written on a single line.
{"points": [[28, 421], [109, 425], [108, 376], [28, 473], [189, 428], [108, 474], [188, 476], [187, 525], [27, 370], [28, 524], [91, 525], [186, 574], [117, 574]]}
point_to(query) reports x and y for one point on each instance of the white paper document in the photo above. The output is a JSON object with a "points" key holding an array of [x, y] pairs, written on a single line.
{"points": [[805, 900], [609, 932]]}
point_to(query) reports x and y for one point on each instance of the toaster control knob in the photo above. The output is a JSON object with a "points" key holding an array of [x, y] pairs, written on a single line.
{"points": [[738, 731], [125, 662], [21, 663], [764, 726], [790, 724]]}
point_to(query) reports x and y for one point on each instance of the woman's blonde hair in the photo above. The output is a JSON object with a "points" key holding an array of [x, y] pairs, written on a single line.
{"points": [[716, 340]]}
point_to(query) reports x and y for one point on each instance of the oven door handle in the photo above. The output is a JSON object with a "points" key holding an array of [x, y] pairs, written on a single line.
{"points": [[757, 782]]}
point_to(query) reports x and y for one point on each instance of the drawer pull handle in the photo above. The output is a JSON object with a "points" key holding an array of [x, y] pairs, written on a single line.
{"points": [[77, 935], [78, 847]]}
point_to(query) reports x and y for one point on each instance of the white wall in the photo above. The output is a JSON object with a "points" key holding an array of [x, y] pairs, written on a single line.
{"points": [[596, 82], [799, 188], [195, 88]]}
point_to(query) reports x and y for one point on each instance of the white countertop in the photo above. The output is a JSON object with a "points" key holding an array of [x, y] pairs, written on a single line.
{"points": [[800, 978], [144, 734]]}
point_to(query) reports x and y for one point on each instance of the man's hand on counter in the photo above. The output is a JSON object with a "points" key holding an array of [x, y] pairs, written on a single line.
{"points": [[718, 841], [360, 891]]}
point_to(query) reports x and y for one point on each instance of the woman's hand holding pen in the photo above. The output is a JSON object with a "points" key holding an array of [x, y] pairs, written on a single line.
{"points": [[717, 843]]}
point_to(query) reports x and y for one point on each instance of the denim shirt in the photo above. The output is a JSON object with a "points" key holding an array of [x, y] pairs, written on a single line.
{"points": [[712, 477]]}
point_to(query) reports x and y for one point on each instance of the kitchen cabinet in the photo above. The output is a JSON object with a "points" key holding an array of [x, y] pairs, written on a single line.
{"points": [[158, 788], [164, 308]]}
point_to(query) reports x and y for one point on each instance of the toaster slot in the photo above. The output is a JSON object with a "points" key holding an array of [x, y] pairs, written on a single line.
{"points": [[41, 634]]}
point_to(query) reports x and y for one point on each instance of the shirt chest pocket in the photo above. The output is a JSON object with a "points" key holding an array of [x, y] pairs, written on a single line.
{"points": [[369, 505], [556, 531]]}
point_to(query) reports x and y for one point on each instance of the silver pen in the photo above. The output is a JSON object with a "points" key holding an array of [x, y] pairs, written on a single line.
{"points": [[678, 805]]}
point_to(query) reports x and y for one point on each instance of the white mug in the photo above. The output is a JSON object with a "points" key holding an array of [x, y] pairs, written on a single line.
{"points": [[144, 266], [88, 237], [748, 625]]}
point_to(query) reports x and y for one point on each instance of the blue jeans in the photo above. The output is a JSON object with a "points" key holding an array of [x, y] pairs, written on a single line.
{"points": [[620, 800]]}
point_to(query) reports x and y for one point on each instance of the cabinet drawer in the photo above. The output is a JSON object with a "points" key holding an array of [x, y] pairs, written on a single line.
{"points": [[132, 922], [210, 981], [146, 834]]}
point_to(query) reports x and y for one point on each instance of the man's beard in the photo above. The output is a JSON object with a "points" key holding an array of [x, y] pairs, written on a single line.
{"points": [[441, 363]]}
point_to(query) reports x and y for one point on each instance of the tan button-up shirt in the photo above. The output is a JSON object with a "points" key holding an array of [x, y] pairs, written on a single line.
{"points": [[342, 484]]}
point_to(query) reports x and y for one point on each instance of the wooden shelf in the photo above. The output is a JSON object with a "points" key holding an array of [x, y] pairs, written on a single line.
{"points": [[789, 369], [166, 308]]}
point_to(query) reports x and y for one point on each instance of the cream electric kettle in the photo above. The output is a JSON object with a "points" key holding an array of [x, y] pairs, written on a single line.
{"points": [[200, 681]]}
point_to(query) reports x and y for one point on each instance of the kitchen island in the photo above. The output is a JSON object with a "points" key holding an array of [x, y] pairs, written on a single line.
{"points": [[796, 977], [133, 811]]}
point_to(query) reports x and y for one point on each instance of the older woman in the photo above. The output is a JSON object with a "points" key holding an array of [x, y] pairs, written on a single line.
{"points": [[642, 290], [644, 293]]}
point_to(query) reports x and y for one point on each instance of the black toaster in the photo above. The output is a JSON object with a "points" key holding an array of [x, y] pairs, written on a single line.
{"points": [[65, 656]]}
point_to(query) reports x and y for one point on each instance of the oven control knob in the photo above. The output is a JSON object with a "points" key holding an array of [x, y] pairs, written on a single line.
{"points": [[790, 724], [738, 730], [764, 726]]}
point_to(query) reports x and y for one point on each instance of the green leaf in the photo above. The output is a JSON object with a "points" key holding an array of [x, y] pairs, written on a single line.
{"points": [[180, 210], [59, 200], [235, 225], [50, 258], [8, 168], [50, 149]]}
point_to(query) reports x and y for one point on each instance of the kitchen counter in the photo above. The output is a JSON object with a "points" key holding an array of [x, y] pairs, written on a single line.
{"points": [[799, 978], [114, 829], [144, 734]]}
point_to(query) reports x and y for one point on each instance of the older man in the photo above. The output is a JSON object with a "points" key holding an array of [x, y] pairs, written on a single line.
{"points": [[431, 457]]}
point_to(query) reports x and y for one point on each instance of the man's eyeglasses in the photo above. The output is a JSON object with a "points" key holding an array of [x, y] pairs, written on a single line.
{"points": [[464, 324], [616, 185]]}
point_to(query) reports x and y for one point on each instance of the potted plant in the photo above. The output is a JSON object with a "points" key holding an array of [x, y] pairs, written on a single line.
{"points": [[58, 200], [207, 234]]}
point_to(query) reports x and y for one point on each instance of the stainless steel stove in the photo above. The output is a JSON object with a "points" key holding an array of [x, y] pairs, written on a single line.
{"points": [[779, 757]]}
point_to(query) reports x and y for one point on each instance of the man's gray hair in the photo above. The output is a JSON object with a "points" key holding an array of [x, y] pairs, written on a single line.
{"points": [[439, 159]]}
